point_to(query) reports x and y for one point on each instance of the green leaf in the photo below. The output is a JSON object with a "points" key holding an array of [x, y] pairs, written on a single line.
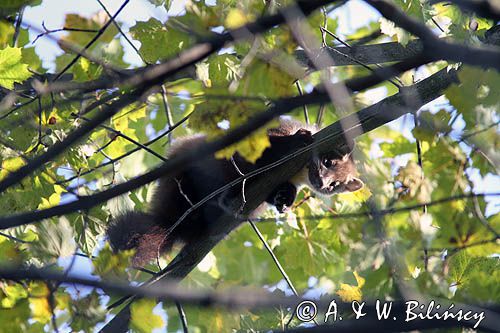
{"points": [[399, 146], [475, 277], [414, 183], [84, 70], [11, 67], [267, 80], [430, 125], [223, 69], [55, 239], [94, 23], [9, 7], [157, 41], [475, 96], [111, 265], [32, 59], [15, 319], [215, 117], [142, 318], [6, 34], [412, 8], [86, 313]]}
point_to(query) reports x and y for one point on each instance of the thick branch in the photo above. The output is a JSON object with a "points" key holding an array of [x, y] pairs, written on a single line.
{"points": [[257, 299], [152, 77], [484, 8], [280, 107], [367, 54], [257, 190], [166, 290], [485, 56]]}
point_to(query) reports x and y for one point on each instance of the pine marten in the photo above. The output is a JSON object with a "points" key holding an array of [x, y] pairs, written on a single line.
{"points": [[325, 174]]}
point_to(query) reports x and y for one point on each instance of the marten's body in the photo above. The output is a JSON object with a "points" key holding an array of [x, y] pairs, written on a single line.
{"points": [[176, 193]]}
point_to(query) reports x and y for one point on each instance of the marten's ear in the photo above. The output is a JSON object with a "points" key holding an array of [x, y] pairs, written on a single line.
{"points": [[346, 157], [354, 184]]}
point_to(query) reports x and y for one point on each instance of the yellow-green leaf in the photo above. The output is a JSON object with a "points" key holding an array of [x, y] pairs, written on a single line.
{"points": [[235, 18], [142, 318], [349, 293], [11, 67]]}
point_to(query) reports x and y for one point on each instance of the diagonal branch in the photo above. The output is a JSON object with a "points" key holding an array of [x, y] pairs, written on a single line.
{"points": [[484, 8], [484, 56], [280, 107], [154, 76], [255, 299], [257, 190]]}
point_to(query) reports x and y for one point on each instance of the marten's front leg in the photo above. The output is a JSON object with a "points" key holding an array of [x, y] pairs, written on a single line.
{"points": [[283, 196]]}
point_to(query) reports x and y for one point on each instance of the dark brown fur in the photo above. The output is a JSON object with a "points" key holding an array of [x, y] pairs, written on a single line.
{"points": [[147, 232]]}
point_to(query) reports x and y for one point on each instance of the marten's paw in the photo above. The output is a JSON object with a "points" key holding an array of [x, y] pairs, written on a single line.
{"points": [[284, 197]]}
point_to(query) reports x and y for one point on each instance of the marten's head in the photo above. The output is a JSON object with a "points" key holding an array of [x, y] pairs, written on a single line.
{"points": [[333, 173]]}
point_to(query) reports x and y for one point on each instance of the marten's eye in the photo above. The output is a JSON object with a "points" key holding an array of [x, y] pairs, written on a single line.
{"points": [[327, 162]]}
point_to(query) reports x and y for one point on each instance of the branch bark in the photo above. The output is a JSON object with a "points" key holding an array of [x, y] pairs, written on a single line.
{"points": [[280, 107], [143, 81], [258, 189], [485, 56], [258, 299]]}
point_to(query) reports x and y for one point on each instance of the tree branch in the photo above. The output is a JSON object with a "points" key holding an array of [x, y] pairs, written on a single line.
{"points": [[152, 77], [166, 290], [92, 41], [484, 8], [257, 190], [156, 74], [255, 299], [280, 107], [485, 56]]}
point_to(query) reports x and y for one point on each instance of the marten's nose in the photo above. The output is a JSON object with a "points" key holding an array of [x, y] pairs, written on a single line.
{"points": [[335, 184]]}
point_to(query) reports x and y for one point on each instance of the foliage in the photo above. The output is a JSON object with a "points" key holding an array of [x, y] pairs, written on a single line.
{"points": [[321, 251]]}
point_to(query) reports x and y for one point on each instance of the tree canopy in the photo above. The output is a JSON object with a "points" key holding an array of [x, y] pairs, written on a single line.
{"points": [[84, 138]]}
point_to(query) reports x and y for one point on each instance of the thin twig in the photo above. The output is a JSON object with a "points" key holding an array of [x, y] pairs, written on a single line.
{"points": [[422, 178], [393, 210], [306, 113], [19, 20], [128, 138], [51, 31], [276, 262], [92, 41], [168, 112], [182, 317], [130, 152], [121, 31], [274, 258]]}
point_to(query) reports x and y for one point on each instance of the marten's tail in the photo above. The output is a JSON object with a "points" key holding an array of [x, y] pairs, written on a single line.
{"points": [[140, 231]]}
